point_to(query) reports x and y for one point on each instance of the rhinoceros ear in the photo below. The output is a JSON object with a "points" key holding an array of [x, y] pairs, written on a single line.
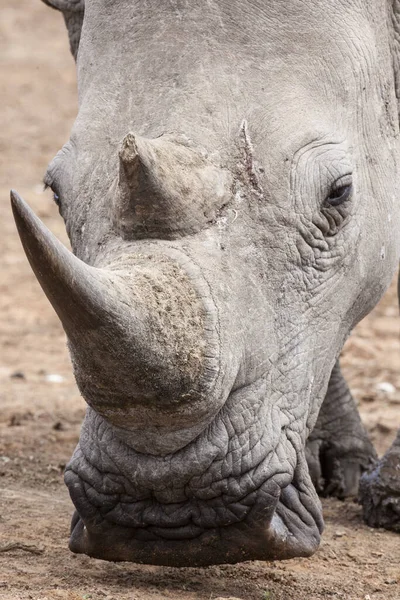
{"points": [[73, 11]]}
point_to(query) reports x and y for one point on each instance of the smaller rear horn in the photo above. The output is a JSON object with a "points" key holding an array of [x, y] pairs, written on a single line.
{"points": [[166, 189]]}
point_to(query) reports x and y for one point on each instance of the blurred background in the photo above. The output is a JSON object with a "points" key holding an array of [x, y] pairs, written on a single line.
{"points": [[41, 410], [38, 106]]}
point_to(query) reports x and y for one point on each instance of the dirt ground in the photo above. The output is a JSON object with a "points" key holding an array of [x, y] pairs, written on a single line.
{"points": [[41, 410]]}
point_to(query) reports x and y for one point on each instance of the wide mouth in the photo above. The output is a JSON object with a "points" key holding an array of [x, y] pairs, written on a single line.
{"points": [[241, 491], [281, 524]]}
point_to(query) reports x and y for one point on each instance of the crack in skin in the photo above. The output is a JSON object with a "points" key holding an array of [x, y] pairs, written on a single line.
{"points": [[249, 159]]}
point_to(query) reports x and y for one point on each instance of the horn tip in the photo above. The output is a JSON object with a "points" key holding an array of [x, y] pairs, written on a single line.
{"points": [[18, 205], [14, 197], [129, 152], [20, 208]]}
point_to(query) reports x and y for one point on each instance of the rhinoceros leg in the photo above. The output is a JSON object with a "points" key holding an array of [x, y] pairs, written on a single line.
{"points": [[380, 487], [338, 449], [380, 490]]}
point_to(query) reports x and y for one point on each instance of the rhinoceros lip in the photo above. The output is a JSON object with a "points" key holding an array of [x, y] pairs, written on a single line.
{"points": [[282, 524]]}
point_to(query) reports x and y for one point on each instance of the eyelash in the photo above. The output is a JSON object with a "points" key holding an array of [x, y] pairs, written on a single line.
{"points": [[56, 196], [339, 195]]}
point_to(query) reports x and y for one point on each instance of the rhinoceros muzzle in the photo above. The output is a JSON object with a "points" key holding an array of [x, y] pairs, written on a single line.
{"points": [[263, 534], [172, 479]]}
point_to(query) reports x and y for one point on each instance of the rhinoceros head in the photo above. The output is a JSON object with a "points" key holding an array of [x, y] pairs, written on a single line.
{"points": [[230, 191]]}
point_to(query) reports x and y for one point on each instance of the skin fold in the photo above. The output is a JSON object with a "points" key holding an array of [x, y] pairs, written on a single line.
{"points": [[230, 190]]}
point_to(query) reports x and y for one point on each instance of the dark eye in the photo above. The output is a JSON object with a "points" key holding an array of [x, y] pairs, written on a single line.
{"points": [[56, 199], [339, 194], [50, 184]]}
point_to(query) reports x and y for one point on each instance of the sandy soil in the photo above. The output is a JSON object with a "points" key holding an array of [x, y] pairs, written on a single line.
{"points": [[41, 414]]}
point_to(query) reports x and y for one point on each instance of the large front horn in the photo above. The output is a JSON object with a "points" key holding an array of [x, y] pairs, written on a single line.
{"points": [[166, 189], [135, 335], [76, 290]]}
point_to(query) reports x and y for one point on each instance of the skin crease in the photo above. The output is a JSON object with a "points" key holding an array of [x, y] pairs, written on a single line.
{"points": [[291, 100]]}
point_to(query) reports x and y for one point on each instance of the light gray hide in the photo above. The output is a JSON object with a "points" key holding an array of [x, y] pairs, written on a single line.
{"points": [[204, 338]]}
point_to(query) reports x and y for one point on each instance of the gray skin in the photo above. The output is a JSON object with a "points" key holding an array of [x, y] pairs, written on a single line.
{"points": [[230, 190]]}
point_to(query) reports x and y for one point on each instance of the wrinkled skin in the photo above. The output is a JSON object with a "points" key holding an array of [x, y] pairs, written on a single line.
{"points": [[224, 276], [338, 449]]}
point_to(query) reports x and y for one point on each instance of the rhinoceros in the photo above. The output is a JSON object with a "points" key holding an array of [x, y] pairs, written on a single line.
{"points": [[231, 193]]}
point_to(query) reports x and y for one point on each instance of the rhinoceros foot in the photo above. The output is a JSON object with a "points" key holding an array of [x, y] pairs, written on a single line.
{"points": [[380, 491]]}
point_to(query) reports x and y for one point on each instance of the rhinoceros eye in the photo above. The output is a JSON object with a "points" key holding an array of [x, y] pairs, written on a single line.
{"points": [[340, 192], [50, 184], [56, 198]]}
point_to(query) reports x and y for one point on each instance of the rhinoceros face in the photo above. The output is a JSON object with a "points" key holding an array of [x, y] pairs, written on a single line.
{"points": [[229, 191]]}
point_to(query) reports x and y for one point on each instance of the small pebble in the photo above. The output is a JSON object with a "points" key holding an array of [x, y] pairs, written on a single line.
{"points": [[339, 533], [58, 426], [17, 375], [385, 387], [227, 598], [54, 378]]}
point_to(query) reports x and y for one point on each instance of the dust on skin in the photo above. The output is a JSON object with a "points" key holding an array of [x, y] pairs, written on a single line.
{"points": [[40, 420]]}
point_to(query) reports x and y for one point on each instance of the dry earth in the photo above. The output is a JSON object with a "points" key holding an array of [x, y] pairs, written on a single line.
{"points": [[41, 414]]}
